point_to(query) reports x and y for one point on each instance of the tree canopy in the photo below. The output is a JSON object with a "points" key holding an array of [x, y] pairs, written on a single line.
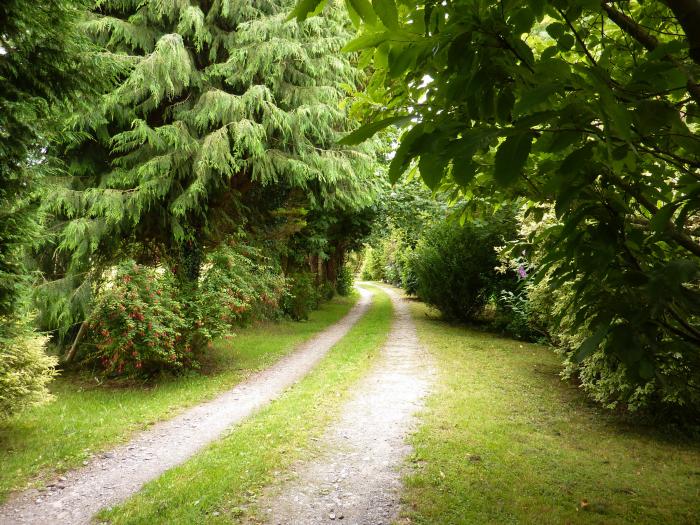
{"points": [[586, 109], [224, 113]]}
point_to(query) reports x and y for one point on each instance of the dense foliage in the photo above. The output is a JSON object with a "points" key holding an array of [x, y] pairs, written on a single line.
{"points": [[450, 265], [143, 322], [226, 118], [586, 108], [140, 138], [25, 369], [455, 266], [46, 68]]}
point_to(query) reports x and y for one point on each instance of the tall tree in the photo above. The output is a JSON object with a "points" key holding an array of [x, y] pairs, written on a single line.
{"points": [[588, 108], [222, 97], [43, 66], [46, 66]]}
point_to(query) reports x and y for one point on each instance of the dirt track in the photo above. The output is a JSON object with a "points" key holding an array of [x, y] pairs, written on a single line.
{"points": [[357, 479], [114, 476]]}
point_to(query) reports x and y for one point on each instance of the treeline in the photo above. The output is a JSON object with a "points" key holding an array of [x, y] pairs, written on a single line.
{"points": [[171, 171], [588, 114], [486, 271]]}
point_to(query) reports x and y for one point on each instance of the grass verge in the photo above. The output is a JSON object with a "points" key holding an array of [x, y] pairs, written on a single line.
{"points": [[222, 483], [504, 440], [86, 417]]}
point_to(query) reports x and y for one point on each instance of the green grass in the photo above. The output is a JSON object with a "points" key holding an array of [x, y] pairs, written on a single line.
{"points": [[222, 483], [86, 417], [504, 440]]}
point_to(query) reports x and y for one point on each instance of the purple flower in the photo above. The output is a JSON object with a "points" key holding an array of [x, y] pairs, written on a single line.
{"points": [[521, 272]]}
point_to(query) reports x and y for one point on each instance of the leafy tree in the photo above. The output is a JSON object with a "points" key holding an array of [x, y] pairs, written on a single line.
{"points": [[225, 108], [590, 108]]}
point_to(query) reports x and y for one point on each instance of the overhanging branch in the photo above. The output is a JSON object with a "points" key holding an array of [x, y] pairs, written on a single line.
{"points": [[650, 42], [687, 12]]}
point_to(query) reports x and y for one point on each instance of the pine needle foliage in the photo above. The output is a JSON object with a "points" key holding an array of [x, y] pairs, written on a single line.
{"points": [[47, 69], [220, 96], [44, 65]]}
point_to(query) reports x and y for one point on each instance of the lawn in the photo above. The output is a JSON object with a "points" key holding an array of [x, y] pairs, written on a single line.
{"points": [[87, 417], [504, 440], [223, 483]]}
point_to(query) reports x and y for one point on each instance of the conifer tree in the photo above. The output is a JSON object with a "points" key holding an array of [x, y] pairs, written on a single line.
{"points": [[45, 67], [222, 96]]}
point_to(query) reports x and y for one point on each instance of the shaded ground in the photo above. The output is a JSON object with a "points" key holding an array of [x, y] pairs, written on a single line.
{"points": [[112, 477], [357, 479]]}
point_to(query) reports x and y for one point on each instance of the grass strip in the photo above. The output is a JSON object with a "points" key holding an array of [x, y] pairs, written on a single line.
{"points": [[86, 417], [223, 483], [504, 440]]}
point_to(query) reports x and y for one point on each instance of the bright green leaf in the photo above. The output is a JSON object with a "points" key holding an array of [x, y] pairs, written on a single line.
{"points": [[304, 8], [364, 9], [365, 41], [387, 13], [368, 130], [511, 157]]}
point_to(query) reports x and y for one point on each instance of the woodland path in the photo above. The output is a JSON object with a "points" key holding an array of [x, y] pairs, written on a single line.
{"points": [[112, 477], [357, 479]]}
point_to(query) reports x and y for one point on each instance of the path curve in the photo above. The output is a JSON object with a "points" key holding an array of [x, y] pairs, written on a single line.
{"points": [[112, 477], [358, 479]]}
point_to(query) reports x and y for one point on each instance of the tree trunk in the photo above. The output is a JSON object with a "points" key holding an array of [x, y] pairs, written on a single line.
{"points": [[70, 355]]}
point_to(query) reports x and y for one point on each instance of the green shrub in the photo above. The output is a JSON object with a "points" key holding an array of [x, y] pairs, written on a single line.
{"points": [[455, 266], [303, 295], [345, 281], [238, 286], [139, 325], [408, 278], [25, 369], [373, 264]]}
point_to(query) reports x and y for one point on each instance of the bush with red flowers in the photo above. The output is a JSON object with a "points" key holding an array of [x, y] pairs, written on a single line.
{"points": [[138, 325], [144, 323]]}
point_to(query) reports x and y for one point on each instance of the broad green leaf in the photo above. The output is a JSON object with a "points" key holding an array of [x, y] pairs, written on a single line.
{"points": [[381, 56], [565, 42], [534, 97], [511, 157], [304, 8], [401, 58], [576, 160], [352, 14], [364, 9], [365, 41], [387, 13], [405, 152], [660, 221], [464, 172], [364, 132], [563, 140], [556, 29], [591, 343], [432, 167]]}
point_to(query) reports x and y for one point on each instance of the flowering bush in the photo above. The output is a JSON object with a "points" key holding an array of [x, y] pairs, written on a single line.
{"points": [[144, 322], [138, 325], [238, 286]]}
